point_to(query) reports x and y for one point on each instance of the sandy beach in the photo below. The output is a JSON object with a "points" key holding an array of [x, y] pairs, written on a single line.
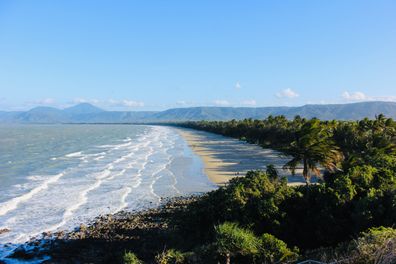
{"points": [[225, 158]]}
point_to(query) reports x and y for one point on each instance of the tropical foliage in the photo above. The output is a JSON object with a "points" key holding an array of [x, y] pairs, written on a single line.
{"points": [[335, 145], [131, 258], [312, 146], [357, 190]]}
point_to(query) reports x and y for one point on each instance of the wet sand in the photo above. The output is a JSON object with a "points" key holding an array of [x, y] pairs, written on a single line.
{"points": [[225, 158]]}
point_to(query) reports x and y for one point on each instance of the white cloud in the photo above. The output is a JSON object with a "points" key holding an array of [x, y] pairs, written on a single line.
{"points": [[131, 103], [46, 101], [83, 100], [181, 103], [110, 102], [79, 100], [237, 85], [354, 96], [123, 103], [43, 101], [221, 102], [249, 102], [385, 98], [359, 96], [287, 93]]}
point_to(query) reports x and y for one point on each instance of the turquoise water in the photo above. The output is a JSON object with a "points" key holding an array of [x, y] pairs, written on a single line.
{"points": [[55, 177]]}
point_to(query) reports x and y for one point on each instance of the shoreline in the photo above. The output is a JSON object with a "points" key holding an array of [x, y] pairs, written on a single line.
{"points": [[106, 238], [211, 163], [225, 158]]}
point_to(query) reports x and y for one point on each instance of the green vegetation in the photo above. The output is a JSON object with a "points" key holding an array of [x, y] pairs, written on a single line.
{"points": [[260, 219], [356, 192], [170, 256], [273, 250], [304, 217], [312, 146], [377, 244], [336, 145], [130, 258], [232, 240]]}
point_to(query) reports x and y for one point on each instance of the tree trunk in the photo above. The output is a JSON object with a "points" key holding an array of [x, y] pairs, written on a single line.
{"points": [[228, 258], [305, 172]]}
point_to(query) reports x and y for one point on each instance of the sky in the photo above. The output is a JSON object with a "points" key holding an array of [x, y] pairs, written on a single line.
{"points": [[153, 55]]}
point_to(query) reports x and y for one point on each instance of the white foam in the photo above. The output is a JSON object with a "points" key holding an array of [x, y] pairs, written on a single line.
{"points": [[124, 204], [74, 154], [100, 157], [14, 202], [69, 211], [100, 177], [108, 179]]}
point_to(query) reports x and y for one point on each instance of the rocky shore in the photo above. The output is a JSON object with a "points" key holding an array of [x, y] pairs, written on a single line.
{"points": [[106, 240]]}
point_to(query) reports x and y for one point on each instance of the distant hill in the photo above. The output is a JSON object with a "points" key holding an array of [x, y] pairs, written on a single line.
{"points": [[87, 113], [83, 108], [42, 114], [326, 112]]}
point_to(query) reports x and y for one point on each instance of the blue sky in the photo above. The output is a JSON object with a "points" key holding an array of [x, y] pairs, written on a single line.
{"points": [[152, 55]]}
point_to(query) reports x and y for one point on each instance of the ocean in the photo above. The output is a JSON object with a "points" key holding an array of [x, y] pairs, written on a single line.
{"points": [[56, 177]]}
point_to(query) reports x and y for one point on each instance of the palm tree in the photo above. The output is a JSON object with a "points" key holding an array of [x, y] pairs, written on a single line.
{"points": [[233, 240], [311, 147]]}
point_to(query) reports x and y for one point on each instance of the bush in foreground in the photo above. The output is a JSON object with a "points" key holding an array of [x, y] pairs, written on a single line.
{"points": [[233, 241], [131, 258], [170, 256], [273, 250], [376, 245]]}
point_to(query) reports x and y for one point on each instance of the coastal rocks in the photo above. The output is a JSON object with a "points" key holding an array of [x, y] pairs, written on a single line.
{"points": [[4, 230], [109, 236], [22, 253]]}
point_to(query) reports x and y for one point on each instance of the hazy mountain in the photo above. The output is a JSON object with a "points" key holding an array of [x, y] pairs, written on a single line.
{"points": [[7, 117], [83, 108], [42, 114], [334, 111], [111, 117], [87, 113]]}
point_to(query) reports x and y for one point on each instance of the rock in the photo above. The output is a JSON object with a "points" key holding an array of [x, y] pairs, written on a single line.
{"points": [[60, 234], [21, 253], [4, 230], [47, 234]]}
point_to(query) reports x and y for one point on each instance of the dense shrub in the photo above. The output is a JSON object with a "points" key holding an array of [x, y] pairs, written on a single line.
{"points": [[232, 240], [305, 216], [131, 258], [273, 250], [170, 256], [376, 245], [253, 201]]}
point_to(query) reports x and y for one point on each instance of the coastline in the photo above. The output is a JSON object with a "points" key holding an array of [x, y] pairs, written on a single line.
{"points": [[107, 237], [225, 158]]}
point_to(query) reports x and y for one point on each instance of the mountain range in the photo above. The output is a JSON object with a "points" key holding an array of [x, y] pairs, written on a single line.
{"points": [[87, 113]]}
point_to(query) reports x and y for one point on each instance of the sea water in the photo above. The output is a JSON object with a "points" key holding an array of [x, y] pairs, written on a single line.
{"points": [[56, 177]]}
